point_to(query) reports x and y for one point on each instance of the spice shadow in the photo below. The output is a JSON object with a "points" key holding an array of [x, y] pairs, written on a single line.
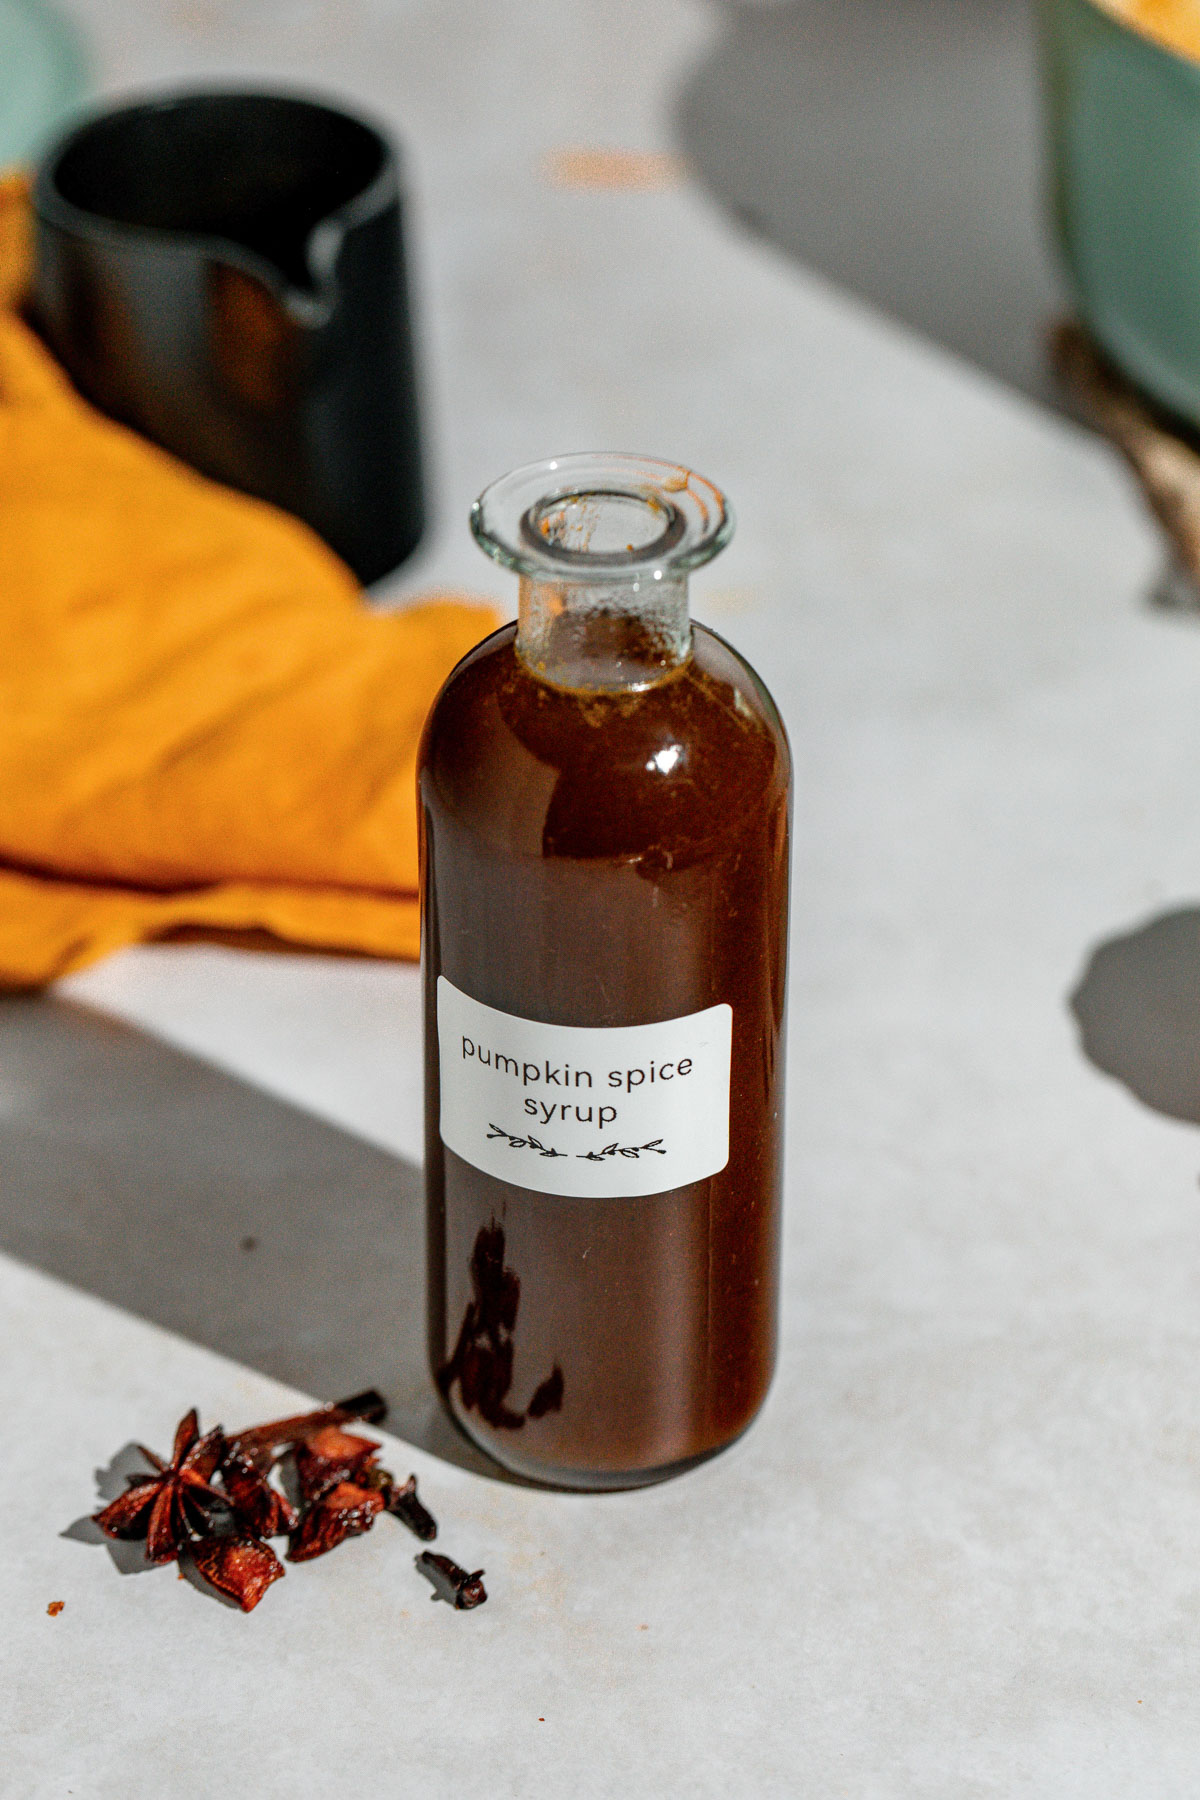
{"points": [[1138, 1010], [168, 1188], [128, 1556]]}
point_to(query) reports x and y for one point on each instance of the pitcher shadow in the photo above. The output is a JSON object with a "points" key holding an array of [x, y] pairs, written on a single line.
{"points": [[168, 1188], [1137, 1006]]}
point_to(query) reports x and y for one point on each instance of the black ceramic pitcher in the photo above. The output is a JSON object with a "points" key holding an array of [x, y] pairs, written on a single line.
{"points": [[225, 272]]}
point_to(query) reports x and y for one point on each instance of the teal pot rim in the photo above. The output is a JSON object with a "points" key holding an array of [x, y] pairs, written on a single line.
{"points": [[1123, 136]]}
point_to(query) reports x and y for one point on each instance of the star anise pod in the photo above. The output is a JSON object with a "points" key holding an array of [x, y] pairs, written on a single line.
{"points": [[344, 1511], [177, 1502], [242, 1567], [331, 1455], [260, 1509]]}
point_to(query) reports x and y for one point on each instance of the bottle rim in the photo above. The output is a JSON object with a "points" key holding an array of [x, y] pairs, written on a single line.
{"points": [[596, 516]]}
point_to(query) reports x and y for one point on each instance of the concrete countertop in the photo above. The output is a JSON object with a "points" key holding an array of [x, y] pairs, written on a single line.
{"points": [[958, 1554]]}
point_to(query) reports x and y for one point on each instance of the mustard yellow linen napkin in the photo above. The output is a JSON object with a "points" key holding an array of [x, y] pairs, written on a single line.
{"points": [[202, 726]]}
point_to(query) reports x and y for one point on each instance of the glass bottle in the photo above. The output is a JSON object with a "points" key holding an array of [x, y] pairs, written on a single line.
{"points": [[605, 794]]}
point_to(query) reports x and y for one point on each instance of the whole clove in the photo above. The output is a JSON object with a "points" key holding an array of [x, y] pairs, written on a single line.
{"points": [[404, 1504], [451, 1583]]}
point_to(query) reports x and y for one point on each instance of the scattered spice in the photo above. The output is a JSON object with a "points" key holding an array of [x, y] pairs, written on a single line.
{"points": [[404, 1504], [264, 1443], [259, 1507], [451, 1583], [630, 170], [175, 1503], [215, 1503], [329, 1456], [344, 1511], [56, 1606], [242, 1567]]}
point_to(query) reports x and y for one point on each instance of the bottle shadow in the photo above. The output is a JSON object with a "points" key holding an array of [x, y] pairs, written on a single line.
{"points": [[892, 145], [1138, 1010], [179, 1193]]}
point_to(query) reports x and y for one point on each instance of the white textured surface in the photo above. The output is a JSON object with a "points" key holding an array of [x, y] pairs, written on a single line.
{"points": [[338, 1036], [959, 1556]]}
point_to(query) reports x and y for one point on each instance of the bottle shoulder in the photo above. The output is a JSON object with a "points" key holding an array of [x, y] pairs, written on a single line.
{"points": [[680, 765]]}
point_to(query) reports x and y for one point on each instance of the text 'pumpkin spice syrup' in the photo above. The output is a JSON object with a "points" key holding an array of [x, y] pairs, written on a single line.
{"points": [[604, 793]]}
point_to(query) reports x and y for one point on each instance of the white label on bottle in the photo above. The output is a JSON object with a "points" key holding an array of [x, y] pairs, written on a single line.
{"points": [[582, 1110]]}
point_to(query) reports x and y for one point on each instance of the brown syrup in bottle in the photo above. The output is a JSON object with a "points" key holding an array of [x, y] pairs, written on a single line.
{"points": [[608, 859]]}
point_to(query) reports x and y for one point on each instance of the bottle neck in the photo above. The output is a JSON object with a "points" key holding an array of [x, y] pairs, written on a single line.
{"points": [[604, 636]]}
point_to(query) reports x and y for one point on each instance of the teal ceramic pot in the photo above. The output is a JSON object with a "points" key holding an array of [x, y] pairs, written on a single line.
{"points": [[1123, 116], [42, 76]]}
